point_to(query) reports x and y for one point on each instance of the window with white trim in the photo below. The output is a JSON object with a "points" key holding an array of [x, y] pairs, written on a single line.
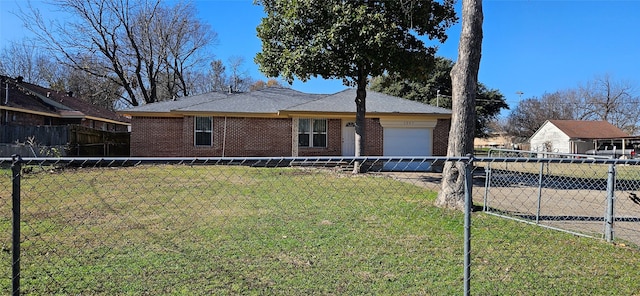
{"points": [[203, 131], [312, 132]]}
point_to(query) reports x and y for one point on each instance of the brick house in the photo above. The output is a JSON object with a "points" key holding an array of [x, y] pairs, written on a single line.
{"points": [[53, 118], [29, 104], [282, 122]]}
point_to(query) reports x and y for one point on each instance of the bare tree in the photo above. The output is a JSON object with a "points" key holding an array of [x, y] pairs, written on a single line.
{"points": [[610, 100], [98, 90], [239, 79], [601, 99], [531, 113], [221, 77], [25, 59], [464, 78], [146, 47]]}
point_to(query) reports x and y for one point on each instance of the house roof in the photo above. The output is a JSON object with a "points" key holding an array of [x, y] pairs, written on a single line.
{"points": [[178, 103], [268, 100], [343, 102], [581, 129], [280, 101], [30, 98]]}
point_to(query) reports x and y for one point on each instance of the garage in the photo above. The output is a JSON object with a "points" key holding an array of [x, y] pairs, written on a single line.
{"points": [[407, 138]]}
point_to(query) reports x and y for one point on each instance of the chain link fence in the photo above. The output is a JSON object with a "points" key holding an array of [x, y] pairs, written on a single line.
{"points": [[292, 226]]}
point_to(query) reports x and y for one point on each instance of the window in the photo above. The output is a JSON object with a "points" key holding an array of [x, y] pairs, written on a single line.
{"points": [[204, 131], [312, 133]]}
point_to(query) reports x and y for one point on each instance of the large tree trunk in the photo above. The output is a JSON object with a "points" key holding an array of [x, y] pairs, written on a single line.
{"points": [[464, 76], [361, 110]]}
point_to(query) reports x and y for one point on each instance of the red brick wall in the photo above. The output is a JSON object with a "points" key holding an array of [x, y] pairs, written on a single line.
{"points": [[373, 137], [246, 137], [156, 136], [441, 137]]}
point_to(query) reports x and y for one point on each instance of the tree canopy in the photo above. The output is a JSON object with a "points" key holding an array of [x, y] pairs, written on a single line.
{"points": [[341, 39], [434, 87], [350, 40]]}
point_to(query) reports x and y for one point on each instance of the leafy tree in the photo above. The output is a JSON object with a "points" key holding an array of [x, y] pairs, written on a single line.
{"points": [[218, 76], [146, 47], [261, 84], [422, 88], [435, 88], [464, 78], [350, 40]]}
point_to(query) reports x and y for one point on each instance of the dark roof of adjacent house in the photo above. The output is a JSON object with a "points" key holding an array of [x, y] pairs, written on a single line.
{"points": [[581, 129], [28, 97], [278, 100]]}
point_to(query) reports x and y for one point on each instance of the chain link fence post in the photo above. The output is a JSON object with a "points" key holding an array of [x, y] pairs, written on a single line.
{"points": [[611, 179], [468, 205], [16, 169]]}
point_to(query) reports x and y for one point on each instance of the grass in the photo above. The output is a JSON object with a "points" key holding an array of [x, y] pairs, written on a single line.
{"points": [[213, 230]]}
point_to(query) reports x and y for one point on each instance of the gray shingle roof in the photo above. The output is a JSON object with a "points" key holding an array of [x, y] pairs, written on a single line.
{"points": [[376, 102], [268, 100], [183, 102], [275, 100]]}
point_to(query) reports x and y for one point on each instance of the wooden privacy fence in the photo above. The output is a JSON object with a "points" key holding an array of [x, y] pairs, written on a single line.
{"points": [[45, 135], [77, 140]]}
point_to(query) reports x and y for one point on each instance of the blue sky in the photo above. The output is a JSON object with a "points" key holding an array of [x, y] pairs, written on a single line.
{"points": [[532, 46]]}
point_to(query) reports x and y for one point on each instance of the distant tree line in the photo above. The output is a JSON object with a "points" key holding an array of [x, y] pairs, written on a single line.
{"points": [[602, 98]]}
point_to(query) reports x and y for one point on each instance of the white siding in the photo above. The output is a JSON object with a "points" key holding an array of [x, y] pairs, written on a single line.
{"points": [[556, 139]]}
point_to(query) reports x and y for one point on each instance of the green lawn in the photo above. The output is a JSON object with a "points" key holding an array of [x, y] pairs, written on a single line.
{"points": [[216, 230]]}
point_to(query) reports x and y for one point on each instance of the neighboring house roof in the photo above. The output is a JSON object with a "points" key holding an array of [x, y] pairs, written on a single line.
{"points": [[583, 129], [31, 98], [283, 101]]}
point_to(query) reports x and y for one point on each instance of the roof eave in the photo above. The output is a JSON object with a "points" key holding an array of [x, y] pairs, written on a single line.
{"points": [[30, 111], [108, 120]]}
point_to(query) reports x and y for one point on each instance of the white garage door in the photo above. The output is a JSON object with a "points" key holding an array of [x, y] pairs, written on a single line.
{"points": [[407, 142]]}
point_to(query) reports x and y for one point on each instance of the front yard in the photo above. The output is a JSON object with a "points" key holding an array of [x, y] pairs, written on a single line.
{"points": [[220, 230]]}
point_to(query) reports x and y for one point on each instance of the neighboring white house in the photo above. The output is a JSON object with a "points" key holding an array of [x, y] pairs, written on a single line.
{"points": [[572, 136]]}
